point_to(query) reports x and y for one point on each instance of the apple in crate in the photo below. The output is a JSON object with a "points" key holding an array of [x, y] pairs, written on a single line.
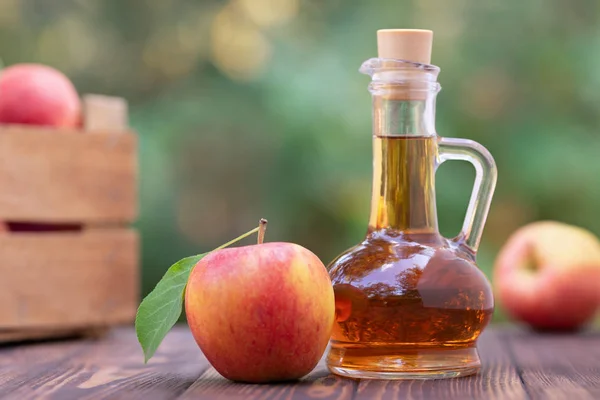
{"points": [[35, 94], [261, 313], [548, 275]]}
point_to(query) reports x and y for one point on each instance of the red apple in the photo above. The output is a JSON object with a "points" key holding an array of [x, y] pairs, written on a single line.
{"points": [[548, 275], [38, 95], [261, 313]]}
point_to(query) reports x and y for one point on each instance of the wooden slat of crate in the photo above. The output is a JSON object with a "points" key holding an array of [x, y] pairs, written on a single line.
{"points": [[63, 280], [50, 175], [104, 113]]}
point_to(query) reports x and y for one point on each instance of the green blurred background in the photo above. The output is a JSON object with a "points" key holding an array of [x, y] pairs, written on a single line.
{"points": [[255, 108]]}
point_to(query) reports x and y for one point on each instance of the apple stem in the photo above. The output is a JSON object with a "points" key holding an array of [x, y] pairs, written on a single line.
{"points": [[237, 239], [262, 229]]}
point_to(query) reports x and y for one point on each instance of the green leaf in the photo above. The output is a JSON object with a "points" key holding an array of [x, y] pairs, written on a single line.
{"points": [[161, 309]]}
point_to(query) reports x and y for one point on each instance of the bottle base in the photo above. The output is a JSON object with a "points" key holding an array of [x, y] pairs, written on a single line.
{"points": [[399, 362]]}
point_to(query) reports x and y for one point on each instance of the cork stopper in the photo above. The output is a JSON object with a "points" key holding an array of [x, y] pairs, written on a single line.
{"points": [[405, 44]]}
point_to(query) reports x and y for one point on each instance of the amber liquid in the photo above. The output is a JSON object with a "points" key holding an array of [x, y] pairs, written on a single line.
{"points": [[409, 303]]}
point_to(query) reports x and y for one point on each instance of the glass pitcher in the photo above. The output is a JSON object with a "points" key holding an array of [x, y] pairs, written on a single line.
{"points": [[409, 302]]}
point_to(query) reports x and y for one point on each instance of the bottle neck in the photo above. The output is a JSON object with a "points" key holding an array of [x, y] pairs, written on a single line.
{"points": [[400, 117], [404, 157]]}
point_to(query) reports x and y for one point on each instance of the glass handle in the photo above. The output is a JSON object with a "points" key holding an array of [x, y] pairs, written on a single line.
{"points": [[485, 182]]}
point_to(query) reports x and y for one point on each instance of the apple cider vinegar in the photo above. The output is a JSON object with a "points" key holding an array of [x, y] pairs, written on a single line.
{"points": [[404, 292], [403, 169], [410, 304]]}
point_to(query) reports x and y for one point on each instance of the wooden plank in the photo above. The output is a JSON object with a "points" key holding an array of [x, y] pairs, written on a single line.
{"points": [[319, 384], [64, 176], [68, 279], [558, 366], [104, 113], [498, 379], [19, 364], [554, 367], [109, 368]]}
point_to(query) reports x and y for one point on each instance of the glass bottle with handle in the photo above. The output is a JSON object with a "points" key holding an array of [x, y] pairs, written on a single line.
{"points": [[409, 302]]}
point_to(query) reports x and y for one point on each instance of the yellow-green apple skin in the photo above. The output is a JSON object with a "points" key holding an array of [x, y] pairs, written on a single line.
{"points": [[261, 313], [548, 275]]}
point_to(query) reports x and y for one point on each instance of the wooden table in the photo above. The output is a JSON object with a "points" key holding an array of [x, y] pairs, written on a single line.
{"points": [[516, 365]]}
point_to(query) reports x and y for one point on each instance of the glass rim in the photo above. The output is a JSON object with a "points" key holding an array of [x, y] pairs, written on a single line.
{"points": [[376, 65]]}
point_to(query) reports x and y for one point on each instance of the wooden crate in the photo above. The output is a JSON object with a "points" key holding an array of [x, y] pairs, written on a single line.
{"points": [[59, 283]]}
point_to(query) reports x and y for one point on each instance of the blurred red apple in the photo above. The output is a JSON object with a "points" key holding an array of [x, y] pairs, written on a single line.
{"points": [[548, 275], [261, 313], [38, 95]]}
